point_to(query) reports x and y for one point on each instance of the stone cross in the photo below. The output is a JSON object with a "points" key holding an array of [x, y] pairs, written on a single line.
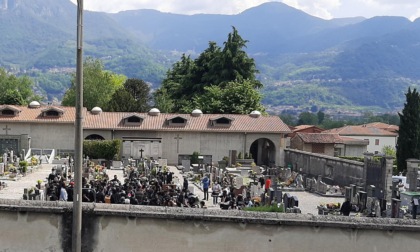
{"points": [[177, 142], [7, 130], [141, 153]]}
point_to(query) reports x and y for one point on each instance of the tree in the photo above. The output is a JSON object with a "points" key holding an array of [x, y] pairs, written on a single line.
{"points": [[409, 131], [235, 98], [134, 96], [220, 80], [16, 90], [307, 118], [98, 85]]}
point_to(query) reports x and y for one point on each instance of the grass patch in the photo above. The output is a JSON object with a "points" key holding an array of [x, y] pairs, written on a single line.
{"points": [[271, 208]]}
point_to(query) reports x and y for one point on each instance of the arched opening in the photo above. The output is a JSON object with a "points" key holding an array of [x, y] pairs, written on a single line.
{"points": [[94, 137], [263, 152]]}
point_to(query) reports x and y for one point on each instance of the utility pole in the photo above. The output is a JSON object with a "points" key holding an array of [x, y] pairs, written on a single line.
{"points": [[78, 143]]}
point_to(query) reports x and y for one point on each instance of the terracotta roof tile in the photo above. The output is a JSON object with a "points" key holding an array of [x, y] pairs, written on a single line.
{"points": [[360, 130], [34, 115], [115, 120], [329, 138], [240, 123]]}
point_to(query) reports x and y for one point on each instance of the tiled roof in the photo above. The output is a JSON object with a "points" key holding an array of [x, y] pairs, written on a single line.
{"points": [[34, 115], [239, 123], [329, 138], [115, 120], [361, 130], [385, 126], [303, 127]]}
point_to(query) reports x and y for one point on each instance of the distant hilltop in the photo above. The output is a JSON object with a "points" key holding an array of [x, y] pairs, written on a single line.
{"points": [[9, 4]]}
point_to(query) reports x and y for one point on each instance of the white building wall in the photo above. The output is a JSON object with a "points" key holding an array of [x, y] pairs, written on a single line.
{"points": [[383, 141]]}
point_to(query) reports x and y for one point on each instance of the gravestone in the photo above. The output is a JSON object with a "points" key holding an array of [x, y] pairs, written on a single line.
{"points": [[288, 173], [163, 162], [186, 163], [232, 158], [294, 202], [348, 193], [371, 191], [286, 200], [362, 200], [254, 191], [256, 169], [1, 168], [239, 182], [279, 196]]}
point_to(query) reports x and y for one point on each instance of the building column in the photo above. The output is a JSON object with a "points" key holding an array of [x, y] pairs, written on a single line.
{"points": [[412, 168], [367, 157], [387, 177]]}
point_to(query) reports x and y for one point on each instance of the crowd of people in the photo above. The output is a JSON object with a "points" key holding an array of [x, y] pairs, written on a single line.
{"points": [[138, 189]]}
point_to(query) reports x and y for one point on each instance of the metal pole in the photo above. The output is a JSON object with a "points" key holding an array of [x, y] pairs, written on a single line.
{"points": [[78, 143]]}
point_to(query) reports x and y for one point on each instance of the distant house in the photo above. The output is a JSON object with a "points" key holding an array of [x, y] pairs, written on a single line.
{"points": [[329, 144], [377, 137], [302, 129]]}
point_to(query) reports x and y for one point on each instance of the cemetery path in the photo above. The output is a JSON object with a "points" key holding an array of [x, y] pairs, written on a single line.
{"points": [[14, 189]]}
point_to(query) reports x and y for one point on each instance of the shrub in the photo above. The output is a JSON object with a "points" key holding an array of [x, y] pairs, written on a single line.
{"points": [[240, 155], [194, 157]]}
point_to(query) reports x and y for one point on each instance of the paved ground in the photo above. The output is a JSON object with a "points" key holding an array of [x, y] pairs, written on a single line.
{"points": [[308, 202]]}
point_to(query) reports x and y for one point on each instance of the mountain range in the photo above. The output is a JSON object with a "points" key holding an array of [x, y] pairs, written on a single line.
{"points": [[304, 61]]}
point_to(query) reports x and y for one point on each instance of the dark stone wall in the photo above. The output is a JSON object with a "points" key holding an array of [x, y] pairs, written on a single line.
{"points": [[334, 171]]}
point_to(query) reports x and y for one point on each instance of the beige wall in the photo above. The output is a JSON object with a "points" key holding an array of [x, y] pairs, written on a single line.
{"points": [[45, 226]]}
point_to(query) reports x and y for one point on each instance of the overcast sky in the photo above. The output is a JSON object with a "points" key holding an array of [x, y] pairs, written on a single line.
{"points": [[321, 8]]}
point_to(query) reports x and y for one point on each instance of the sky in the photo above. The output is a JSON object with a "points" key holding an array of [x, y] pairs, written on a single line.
{"points": [[326, 9]]}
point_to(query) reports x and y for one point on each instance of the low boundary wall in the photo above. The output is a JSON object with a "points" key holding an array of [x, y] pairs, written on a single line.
{"points": [[46, 226]]}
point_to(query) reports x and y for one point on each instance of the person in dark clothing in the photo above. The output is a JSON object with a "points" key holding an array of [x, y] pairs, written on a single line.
{"points": [[185, 187], [262, 181], [346, 208]]}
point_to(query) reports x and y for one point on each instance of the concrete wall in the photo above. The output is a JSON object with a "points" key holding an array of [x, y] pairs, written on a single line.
{"points": [[46, 226], [342, 172]]}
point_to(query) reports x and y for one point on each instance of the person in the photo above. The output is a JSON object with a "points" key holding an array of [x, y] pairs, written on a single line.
{"points": [[267, 184], [346, 208], [63, 192], [215, 192], [115, 179], [262, 181], [203, 204], [185, 185], [206, 183], [401, 188]]}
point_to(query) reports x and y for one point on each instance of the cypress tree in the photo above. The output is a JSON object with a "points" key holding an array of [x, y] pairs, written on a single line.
{"points": [[409, 131]]}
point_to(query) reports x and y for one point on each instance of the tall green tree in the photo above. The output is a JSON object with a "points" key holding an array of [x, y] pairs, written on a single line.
{"points": [[134, 96], [98, 85], [215, 76], [409, 130], [16, 90]]}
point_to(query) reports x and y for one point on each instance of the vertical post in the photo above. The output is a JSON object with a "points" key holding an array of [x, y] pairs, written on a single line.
{"points": [[78, 145]]}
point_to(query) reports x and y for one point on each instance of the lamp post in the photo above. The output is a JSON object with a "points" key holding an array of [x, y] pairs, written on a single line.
{"points": [[78, 143]]}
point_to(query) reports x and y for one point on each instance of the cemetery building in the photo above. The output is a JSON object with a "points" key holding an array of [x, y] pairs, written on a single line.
{"points": [[151, 135]]}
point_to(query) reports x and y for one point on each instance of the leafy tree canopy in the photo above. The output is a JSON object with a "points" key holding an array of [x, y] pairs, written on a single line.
{"points": [[220, 80], [16, 90], [98, 85], [134, 96]]}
